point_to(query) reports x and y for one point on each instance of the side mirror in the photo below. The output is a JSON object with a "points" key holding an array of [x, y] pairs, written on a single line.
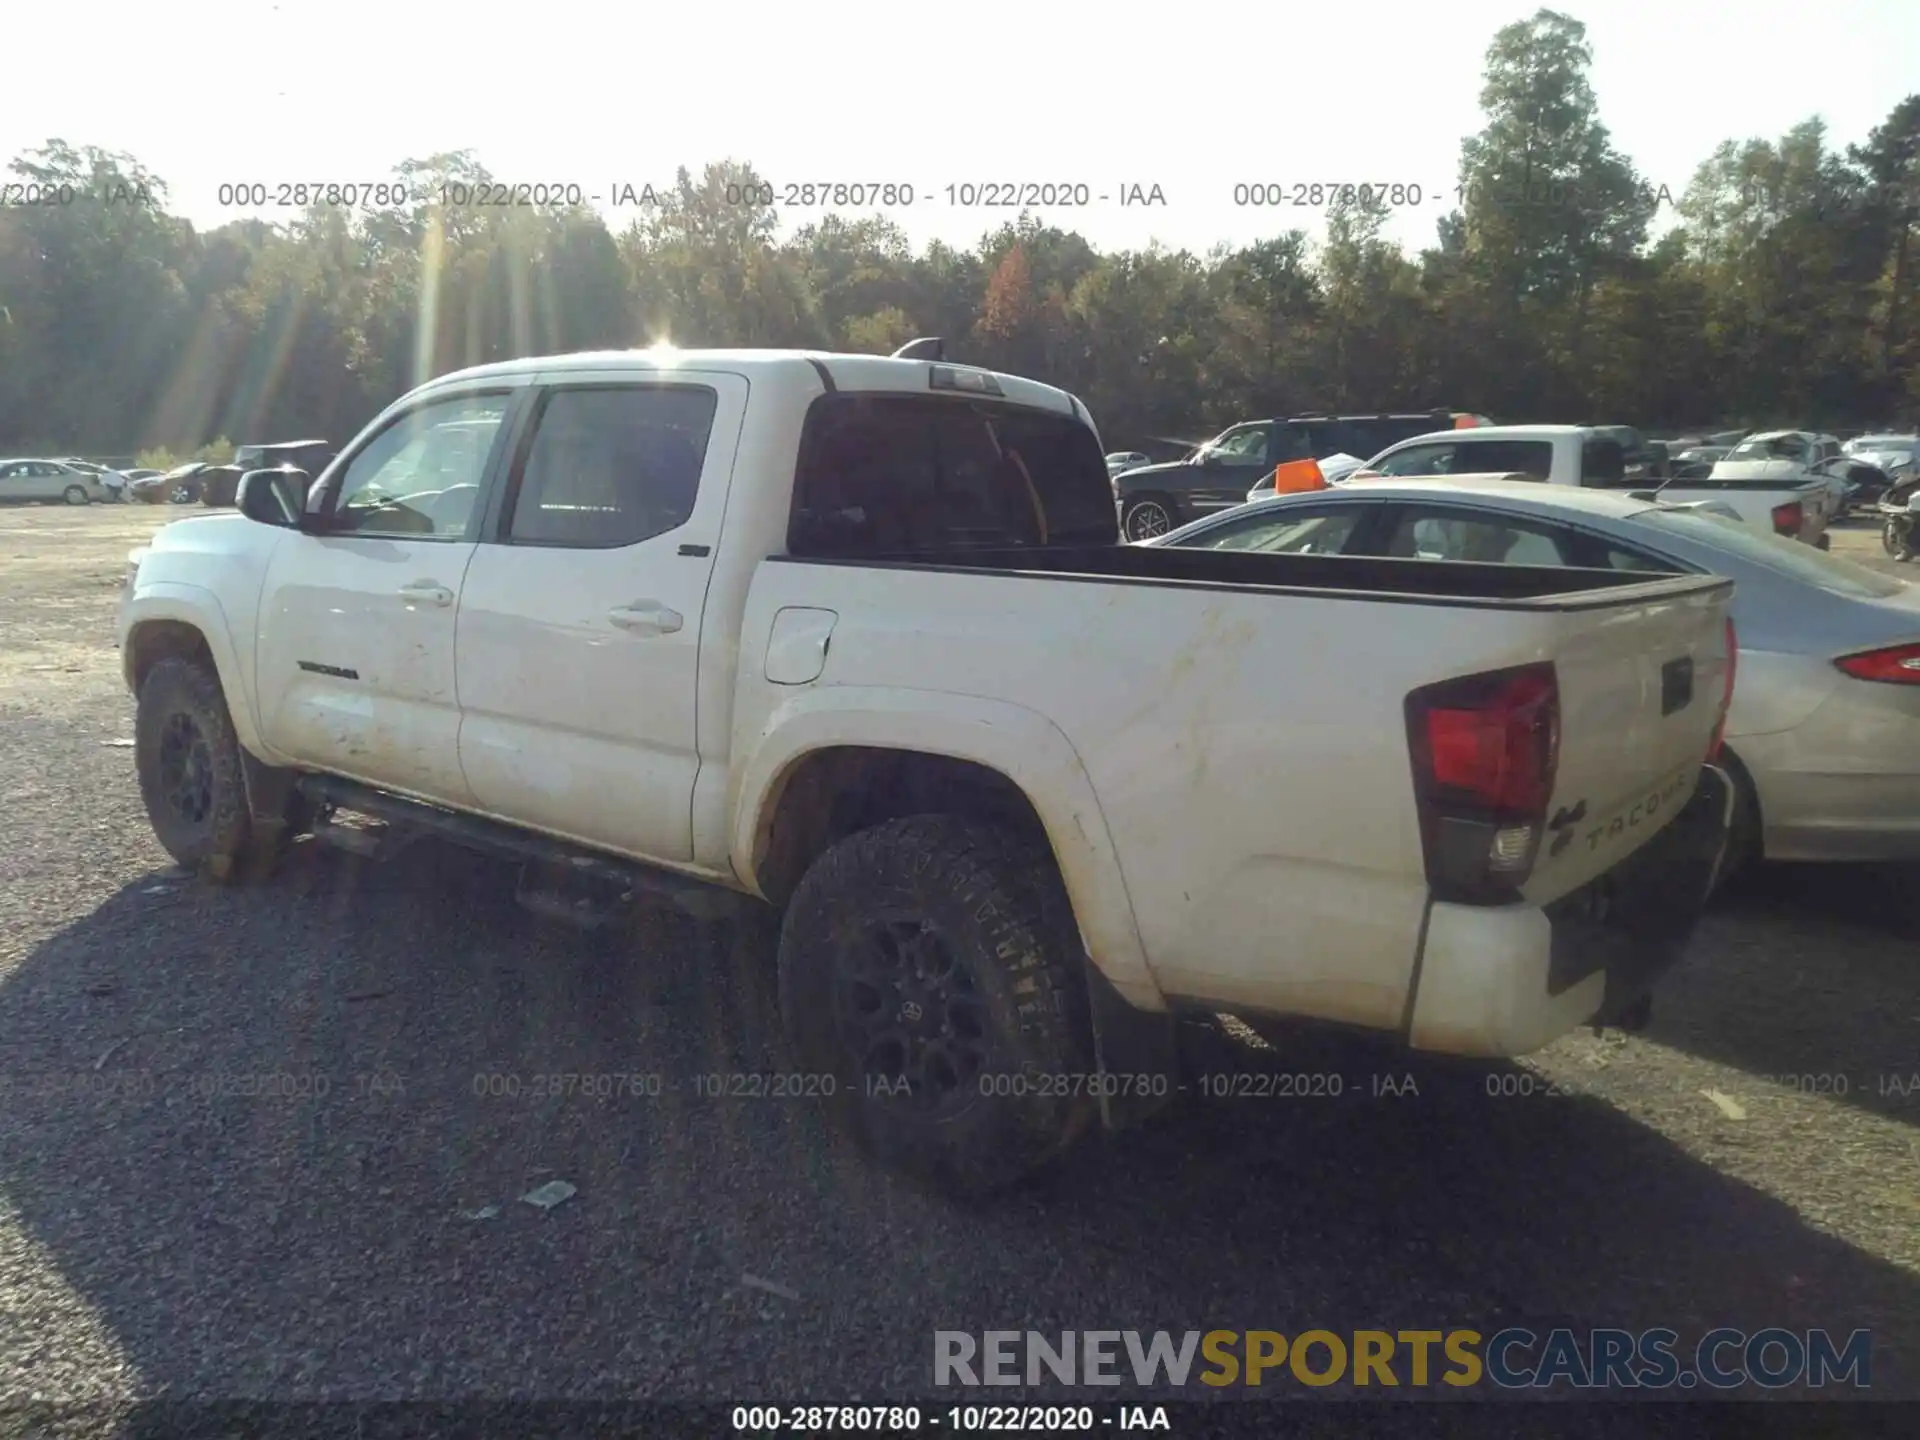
{"points": [[1209, 461], [273, 497]]}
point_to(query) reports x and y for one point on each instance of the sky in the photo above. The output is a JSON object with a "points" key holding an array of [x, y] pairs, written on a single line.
{"points": [[1194, 99]]}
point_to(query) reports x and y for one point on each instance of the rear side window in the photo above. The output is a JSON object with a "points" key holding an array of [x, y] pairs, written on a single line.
{"points": [[612, 465], [882, 474]]}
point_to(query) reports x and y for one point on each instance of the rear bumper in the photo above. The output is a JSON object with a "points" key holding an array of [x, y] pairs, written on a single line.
{"points": [[1506, 980]]}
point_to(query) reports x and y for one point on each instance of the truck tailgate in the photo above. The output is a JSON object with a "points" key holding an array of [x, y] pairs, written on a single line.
{"points": [[1641, 689]]}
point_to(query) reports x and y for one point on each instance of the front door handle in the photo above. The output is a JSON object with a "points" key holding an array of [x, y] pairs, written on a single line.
{"points": [[427, 592], [646, 617]]}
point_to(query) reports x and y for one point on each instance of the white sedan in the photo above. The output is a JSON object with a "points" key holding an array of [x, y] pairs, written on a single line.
{"points": [[1823, 737]]}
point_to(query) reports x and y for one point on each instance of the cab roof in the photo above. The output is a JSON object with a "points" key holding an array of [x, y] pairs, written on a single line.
{"points": [[815, 369]]}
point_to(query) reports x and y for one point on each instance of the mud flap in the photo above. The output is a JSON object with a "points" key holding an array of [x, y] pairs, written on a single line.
{"points": [[1137, 1048], [270, 793]]}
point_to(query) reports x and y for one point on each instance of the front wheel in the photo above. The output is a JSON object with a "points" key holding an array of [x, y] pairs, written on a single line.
{"points": [[924, 967], [1146, 518], [191, 776], [75, 495]]}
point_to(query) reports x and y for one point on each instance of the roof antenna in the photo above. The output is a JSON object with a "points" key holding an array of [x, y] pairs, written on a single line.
{"points": [[931, 347]]}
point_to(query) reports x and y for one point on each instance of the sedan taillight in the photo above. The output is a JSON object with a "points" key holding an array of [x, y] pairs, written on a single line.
{"points": [[1787, 518], [1896, 665]]}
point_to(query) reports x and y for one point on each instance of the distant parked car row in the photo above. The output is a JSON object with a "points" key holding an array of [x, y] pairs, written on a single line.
{"points": [[1792, 483], [202, 483], [53, 480]]}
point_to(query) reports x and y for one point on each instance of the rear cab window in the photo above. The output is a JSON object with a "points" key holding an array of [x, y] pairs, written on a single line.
{"points": [[902, 473], [1603, 465]]}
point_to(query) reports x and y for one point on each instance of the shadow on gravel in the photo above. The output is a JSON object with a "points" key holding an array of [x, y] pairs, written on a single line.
{"points": [[331, 1237], [1809, 975]]}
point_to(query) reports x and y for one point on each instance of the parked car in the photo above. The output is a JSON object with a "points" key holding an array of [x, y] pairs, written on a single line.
{"points": [[1861, 483], [858, 637], [50, 480], [1123, 460], [112, 482], [1156, 498], [1772, 456], [1823, 739], [1642, 459], [1896, 456], [1580, 456], [178, 486], [308, 456], [218, 485], [1727, 439]]}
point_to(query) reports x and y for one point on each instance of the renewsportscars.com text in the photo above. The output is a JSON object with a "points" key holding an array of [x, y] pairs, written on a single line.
{"points": [[1514, 1358]]}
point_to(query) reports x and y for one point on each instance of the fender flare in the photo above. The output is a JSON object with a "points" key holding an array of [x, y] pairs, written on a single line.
{"points": [[199, 608], [1020, 744]]}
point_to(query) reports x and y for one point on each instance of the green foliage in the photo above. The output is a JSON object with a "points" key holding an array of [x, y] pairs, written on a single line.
{"points": [[1789, 293]]}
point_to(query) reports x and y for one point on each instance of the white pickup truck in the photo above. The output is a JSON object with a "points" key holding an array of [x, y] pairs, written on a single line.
{"points": [[1796, 505], [856, 636]]}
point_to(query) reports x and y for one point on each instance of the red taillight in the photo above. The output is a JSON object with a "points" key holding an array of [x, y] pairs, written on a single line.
{"points": [[1726, 695], [1500, 749], [1484, 752], [1787, 518], [1896, 665]]}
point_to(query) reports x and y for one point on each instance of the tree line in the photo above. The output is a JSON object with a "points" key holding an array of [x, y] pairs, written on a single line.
{"points": [[1786, 294]]}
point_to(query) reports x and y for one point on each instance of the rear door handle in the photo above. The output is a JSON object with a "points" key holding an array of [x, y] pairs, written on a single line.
{"points": [[646, 617], [428, 592]]}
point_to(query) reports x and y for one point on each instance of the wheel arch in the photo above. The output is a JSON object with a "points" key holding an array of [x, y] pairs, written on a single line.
{"points": [[183, 621], [833, 762]]}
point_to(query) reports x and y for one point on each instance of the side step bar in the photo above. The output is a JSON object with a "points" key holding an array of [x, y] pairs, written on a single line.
{"points": [[558, 880]]}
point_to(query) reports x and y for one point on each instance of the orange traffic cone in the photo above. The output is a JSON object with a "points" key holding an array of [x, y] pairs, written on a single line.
{"points": [[1296, 476]]}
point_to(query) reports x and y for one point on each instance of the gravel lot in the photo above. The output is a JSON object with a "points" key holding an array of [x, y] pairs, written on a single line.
{"points": [[161, 1234]]}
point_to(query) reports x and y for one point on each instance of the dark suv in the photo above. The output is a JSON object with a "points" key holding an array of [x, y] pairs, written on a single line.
{"points": [[1156, 498], [311, 456]]}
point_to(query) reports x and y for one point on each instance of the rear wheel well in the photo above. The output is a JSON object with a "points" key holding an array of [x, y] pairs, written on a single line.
{"points": [[157, 640], [837, 792]]}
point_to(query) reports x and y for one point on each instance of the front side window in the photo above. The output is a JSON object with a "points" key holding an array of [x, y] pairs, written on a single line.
{"points": [[1417, 460], [1288, 532], [1291, 443], [1246, 446], [613, 465], [421, 475]]}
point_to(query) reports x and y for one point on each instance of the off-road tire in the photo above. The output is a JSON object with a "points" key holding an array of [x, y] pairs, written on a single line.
{"points": [[182, 698], [995, 903]]}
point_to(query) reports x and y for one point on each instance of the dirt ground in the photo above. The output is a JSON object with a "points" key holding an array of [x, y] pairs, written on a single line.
{"points": [[1753, 1160]]}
